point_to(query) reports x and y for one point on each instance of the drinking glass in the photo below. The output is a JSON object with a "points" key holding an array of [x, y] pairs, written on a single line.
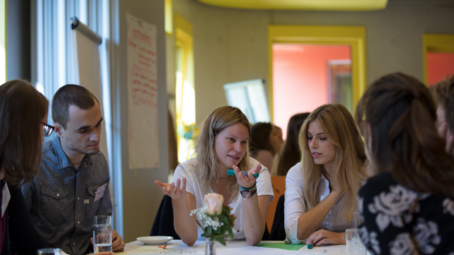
{"points": [[49, 251], [102, 234], [102, 219], [356, 220], [354, 244]]}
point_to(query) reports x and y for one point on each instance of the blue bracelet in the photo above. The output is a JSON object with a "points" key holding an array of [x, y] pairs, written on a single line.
{"points": [[247, 189]]}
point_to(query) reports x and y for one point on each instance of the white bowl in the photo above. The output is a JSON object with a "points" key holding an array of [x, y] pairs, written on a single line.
{"points": [[155, 239]]}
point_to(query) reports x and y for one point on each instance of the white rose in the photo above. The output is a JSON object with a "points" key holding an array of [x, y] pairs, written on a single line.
{"points": [[213, 203]]}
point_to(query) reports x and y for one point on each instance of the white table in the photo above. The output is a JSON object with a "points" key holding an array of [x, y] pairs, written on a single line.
{"points": [[233, 247]]}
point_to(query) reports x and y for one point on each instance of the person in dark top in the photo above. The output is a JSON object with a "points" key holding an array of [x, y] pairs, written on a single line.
{"points": [[408, 207], [23, 115]]}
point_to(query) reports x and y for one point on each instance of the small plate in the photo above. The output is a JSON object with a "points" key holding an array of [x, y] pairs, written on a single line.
{"points": [[155, 239]]}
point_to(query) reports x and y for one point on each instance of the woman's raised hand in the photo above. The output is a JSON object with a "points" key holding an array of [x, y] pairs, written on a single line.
{"points": [[335, 185], [175, 191], [246, 181]]}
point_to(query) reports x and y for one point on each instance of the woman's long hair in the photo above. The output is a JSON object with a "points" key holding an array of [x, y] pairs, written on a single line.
{"points": [[348, 166], [22, 109], [207, 161], [290, 154], [260, 138], [404, 140]]}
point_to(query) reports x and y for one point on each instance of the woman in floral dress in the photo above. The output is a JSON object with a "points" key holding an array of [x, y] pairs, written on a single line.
{"points": [[408, 207]]}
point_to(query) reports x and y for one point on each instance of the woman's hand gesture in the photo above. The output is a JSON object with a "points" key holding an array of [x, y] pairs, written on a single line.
{"points": [[175, 191], [246, 181]]}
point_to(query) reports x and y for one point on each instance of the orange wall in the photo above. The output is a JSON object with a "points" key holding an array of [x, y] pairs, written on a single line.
{"points": [[300, 78], [438, 66]]}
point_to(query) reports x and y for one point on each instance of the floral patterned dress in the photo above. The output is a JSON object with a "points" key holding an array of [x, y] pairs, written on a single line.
{"points": [[397, 220]]}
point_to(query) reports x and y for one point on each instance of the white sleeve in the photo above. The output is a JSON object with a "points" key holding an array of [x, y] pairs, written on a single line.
{"points": [[294, 205], [181, 172], [264, 186]]}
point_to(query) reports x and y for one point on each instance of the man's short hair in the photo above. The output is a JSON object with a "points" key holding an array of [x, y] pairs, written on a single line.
{"points": [[67, 95]]}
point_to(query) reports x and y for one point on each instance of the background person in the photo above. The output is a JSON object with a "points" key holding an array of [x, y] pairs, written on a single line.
{"points": [[290, 154], [321, 191], [408, 207], [222, 144], [264, 143]]}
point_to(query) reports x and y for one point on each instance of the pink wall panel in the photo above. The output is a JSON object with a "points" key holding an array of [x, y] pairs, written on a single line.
{"points": [[300, 78], [438, 66]]}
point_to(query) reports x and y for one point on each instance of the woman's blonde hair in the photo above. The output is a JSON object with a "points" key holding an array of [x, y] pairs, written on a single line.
{"points": [[348, 166], [207, 161]]}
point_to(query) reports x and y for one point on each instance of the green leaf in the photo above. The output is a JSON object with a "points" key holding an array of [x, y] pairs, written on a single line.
{"points": [[221, 240], [208, 231], [199, 224], [223, 219]]}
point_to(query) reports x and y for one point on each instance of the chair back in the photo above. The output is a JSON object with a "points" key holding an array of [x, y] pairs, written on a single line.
{"points": [[278, 229], [163, 223], [278, 183]]}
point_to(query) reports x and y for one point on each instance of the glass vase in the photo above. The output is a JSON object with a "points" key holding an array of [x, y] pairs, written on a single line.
{"points": [[210, 249]]}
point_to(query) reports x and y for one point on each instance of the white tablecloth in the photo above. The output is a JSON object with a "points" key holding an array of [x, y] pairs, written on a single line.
{"points": [[234, 247]]}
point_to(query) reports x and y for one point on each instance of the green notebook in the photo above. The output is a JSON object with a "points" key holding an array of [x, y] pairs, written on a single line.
{"points": [[283, 246]]}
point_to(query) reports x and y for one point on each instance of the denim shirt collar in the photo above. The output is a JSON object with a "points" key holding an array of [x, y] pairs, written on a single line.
{"points": [[63, 160]]}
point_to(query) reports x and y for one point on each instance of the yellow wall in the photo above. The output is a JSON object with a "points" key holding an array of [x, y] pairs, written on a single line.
{"points": [[231, 45]]}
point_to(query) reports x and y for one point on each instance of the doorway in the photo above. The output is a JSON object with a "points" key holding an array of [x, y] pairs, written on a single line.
{"points": [[347, 45], [307, 76], [438, 54]]}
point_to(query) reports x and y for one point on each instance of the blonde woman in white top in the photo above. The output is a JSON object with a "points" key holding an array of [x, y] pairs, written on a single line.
{"points": [[320, 196], [221, 145]]}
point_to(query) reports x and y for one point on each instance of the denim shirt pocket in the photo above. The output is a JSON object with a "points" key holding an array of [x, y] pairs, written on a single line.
{"points": [[92, 206], [54, 204]]}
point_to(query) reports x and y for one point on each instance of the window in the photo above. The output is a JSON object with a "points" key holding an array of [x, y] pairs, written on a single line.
{"points": [[184, 93], [249, 97]]}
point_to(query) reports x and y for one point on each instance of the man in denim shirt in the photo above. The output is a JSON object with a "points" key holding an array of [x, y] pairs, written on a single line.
{"points": [[72, 185]]}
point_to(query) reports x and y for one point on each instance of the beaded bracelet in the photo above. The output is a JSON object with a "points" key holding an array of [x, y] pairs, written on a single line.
{"points": [[243, 188], [247, 193]]}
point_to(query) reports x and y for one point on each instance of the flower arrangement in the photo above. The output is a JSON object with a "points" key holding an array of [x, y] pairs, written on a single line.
{"points": [[215, 219]]}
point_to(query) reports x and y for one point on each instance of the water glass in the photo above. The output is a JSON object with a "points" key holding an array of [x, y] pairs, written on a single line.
{"points": [[356, 220], [49, 251], [102, 219], [102, 234], [354, 244]]}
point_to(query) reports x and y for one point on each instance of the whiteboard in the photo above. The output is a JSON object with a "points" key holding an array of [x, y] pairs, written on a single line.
{"points": [[89, 73], [143, 139]]}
